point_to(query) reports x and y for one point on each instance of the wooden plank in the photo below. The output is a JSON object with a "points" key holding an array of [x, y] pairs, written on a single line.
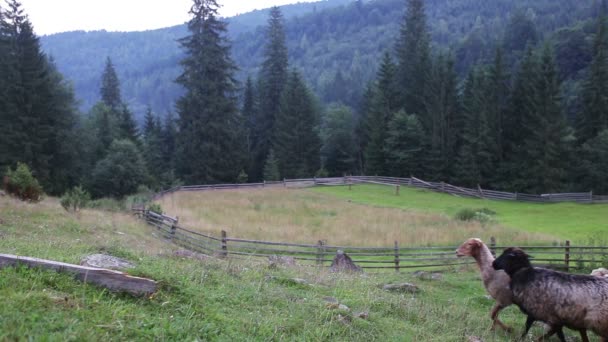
{"points": [[112, 280]]}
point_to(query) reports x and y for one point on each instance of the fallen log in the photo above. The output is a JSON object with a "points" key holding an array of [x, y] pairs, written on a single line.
{"points": [[112, 280]]}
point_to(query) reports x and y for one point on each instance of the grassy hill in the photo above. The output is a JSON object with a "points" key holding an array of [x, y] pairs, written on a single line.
{"points": [[216, 300]]}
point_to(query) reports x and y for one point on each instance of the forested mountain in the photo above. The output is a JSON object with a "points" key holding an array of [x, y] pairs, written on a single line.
{"points": [[336, 44]]}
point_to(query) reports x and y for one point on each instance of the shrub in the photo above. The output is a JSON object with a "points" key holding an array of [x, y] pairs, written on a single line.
{"points": [[468, 214], [75, 199], [22, 184], [242, 177], [155, 207]]}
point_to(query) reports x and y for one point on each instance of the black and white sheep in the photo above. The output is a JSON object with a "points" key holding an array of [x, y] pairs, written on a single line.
{"points": [[558, 299]]}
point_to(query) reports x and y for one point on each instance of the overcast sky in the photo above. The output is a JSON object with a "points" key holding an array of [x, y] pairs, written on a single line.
{"points": [[52, 16]]}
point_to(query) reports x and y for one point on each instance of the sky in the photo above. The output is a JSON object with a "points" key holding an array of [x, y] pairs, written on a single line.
{"points": [[53, 16]]}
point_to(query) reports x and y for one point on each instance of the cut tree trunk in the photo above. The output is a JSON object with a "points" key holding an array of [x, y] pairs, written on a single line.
{"points": [[112, 280]]}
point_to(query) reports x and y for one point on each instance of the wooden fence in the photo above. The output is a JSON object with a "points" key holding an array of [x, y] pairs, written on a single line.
{"points": [[582, 197], [396, 257]]}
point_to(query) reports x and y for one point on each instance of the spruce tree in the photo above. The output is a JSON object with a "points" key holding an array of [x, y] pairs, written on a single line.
{"points": [[297, 143], [384, 103], [110, 87], [548, 141], [209, 145], [442, 111], [413, 57], [474, 162], [40, 107], [515, 129], [497, 97], [405, 145], [152, 147], [271, 168], [249, 114], [339, 149], [272, 81], [594, 116]]}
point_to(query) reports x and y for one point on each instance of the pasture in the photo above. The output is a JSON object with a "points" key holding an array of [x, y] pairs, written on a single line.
{"points": [[227, 300], [368, 217]]}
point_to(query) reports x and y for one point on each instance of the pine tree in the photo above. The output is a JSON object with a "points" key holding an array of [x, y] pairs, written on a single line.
{"points": [[297, 143], [40, 111], [405, 145], [497, 103], [384, 103], [413, 57], [152, 147], [110, 87], [515, 128], [126, 125], [548, 139], [339, 149], [442, 111], [474, 164], [594, 117], [272, 81], [271, 168], [249, 114], [594, 164], [209, 145]]}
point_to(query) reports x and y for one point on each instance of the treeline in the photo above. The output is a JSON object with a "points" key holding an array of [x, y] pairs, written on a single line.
{"points": [[516, 121], [504, 127], [337, 47]]}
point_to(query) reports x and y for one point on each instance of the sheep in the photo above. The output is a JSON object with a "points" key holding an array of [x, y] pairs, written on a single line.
{"points": [[495, 282], [559, 299]]}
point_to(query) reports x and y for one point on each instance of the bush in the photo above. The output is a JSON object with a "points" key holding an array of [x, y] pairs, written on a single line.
{"points": [[75, 199], [155, 207], [469, 214], [22, 184], [242, 177]]}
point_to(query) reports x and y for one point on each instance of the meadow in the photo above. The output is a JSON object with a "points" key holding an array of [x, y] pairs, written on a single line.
{"points": [[370, 216], [227, 300]]}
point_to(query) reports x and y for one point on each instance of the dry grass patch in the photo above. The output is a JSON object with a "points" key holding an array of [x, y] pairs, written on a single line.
{"points": [[303, 216]]}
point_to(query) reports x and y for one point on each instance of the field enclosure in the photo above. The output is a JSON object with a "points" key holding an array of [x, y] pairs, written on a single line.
{"points": [[376, 227]]}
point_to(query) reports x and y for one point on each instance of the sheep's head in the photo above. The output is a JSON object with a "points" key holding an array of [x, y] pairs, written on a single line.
{"points": [[471, 247], [512, 260]]}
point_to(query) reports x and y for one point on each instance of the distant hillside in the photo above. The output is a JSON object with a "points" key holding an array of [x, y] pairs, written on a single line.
{"points": [[336, 43]]}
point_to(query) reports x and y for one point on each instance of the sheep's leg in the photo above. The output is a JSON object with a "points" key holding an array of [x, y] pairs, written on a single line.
{"points": [[494, 315], [584, 336], [553, 330], [529, 321]]}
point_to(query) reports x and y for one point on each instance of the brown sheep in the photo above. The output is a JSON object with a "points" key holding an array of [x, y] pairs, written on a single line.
{"points": [[495, 282], [559, 299]]}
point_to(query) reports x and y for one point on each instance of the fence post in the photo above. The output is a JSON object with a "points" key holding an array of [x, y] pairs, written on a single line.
{"points": [[493, 246], [410, 182], [320, 252], [480, 191], [350, 186], [396, 256], [224, 252], [567, 256], [591, 196], [174, 227], [442, 187], [264, 184], [315, 179], [284, 182], [397, 189]]}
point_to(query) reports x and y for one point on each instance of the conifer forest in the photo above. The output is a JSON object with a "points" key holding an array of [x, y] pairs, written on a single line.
{"points": [[506, 94]]}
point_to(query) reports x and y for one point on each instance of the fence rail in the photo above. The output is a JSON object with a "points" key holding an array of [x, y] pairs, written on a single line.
{"points": [[321, 254]]}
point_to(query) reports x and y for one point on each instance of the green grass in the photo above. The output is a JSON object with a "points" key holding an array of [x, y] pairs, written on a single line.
{"points": [[216, 300], [580, 223]]}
